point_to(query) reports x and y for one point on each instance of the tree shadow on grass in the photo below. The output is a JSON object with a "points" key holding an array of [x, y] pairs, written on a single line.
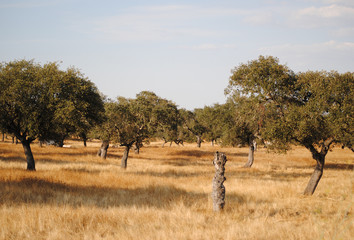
{"points": [[173, 174], [180, 162], [38, 191], [267, 175], [43, 192], [335, 166], [339, 166]]}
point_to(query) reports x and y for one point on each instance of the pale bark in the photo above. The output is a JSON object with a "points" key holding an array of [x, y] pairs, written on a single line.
{"points": [[218, 194], [249, 163], [199, 141], [102, 152]]}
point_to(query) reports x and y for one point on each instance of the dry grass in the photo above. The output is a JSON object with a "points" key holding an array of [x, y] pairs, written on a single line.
{"points": [[165, 194]]}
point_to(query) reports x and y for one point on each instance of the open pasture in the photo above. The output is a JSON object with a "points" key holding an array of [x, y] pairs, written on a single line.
{"points": [[165, 193]]}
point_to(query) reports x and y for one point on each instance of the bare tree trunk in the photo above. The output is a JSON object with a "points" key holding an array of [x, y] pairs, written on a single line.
{"points": [[125, 156], [164, 141], [199, 141], [315, 178], [102, 152], [249, 163], [137, 147], [13, 139], [255, 145], [218, 194], [29, 156], [320, 160], [3, 137]]}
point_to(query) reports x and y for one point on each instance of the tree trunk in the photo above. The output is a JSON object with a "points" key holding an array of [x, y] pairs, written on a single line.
{"points": [[249, 163], [3, 137], [320, 160], [218, 194], [102, 152], [85, 142], [164, 141], [29, 156], [137, 148], [125, 156], [13, 139], [199, 141], [60, 142], [212, 142], [315, 177]]}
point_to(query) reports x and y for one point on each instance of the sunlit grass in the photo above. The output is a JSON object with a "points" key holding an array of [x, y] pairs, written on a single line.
{"points": [[166, 194]]}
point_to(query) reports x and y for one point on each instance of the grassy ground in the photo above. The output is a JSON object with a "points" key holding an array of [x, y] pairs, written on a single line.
{"points": [[166, 194]]}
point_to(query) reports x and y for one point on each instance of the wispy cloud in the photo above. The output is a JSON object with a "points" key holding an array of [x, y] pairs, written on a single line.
{"points": [[210, 46], [324, 54], [325, 16], [27, 3], [332, 11], [157, 23], [166, 22]]}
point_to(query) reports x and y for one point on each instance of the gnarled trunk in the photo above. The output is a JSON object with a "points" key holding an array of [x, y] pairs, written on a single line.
{"points": [[199, 141], [102, 152], [29, 156], [320, 162], [125, 156], [218, 194], [249, 163], [315, 177], [137, 147]]}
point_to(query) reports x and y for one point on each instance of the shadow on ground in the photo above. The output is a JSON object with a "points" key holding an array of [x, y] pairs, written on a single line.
{"points": [[38, 191], [174, 174]]}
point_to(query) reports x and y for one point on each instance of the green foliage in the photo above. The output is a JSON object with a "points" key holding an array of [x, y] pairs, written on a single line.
{"points": [[309, 108], [192, 123], [25, 97], [136, 120], [78, 103], [45, 103]]}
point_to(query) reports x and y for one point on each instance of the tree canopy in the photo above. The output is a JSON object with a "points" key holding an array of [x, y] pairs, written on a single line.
{"points": [[313, 109], [44, 102], [134, 121]]}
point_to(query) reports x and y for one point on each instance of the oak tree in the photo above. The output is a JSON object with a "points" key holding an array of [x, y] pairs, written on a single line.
{"points": [[312, 109]]}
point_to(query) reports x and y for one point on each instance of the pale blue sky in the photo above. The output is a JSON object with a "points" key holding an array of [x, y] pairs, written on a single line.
{"points": [[181, 50]]}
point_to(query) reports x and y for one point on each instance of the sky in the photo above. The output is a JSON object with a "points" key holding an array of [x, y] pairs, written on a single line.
{"points": [[183, 51]]}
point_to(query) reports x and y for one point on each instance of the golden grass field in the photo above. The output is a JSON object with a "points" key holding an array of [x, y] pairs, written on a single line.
{"points": [[165, 193]]}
